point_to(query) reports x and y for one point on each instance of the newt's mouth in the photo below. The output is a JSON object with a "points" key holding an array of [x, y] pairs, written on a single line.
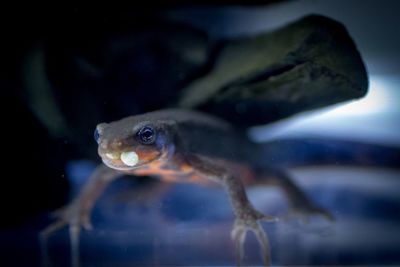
{"points": [[127, 160], [121, 160]]}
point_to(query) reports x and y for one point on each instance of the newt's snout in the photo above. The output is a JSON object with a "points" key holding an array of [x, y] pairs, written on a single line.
{"points": [[129, 144]]}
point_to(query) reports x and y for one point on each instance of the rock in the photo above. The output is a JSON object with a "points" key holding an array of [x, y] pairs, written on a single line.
{"points": [[308, 64]]}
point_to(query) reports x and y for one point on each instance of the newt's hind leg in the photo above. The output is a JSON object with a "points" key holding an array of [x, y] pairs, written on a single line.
{"points": [[299, 204], [77, 213]]}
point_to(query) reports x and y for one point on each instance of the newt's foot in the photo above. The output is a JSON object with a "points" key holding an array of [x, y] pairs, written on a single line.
{"points": [[250, 222], [73, 215], [76, 217]]}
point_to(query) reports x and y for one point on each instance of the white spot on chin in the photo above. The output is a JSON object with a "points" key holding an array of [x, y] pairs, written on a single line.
{"points": [[113, 155], [129, 158]]}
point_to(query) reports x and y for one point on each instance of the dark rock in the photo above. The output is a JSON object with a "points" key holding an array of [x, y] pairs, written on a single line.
{"points": [[308, 64]]}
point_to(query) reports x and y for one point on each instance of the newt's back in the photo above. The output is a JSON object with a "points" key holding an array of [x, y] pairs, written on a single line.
{"points": [[208, 136]]}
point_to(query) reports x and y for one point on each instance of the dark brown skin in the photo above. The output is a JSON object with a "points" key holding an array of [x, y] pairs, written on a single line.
{"points": [[183, 146]]}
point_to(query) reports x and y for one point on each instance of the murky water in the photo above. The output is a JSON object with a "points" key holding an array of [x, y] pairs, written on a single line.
{"points": [[190, 225]]}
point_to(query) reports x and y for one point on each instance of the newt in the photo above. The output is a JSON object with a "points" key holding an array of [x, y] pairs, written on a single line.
{"points": [[179, 145]]}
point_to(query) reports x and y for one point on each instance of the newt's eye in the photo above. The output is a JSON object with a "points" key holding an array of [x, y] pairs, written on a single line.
{"points": [[146, 135], [96, 136]]}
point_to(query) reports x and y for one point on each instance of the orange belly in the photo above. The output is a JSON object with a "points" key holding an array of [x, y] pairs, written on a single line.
{"points": [[184, 173]]}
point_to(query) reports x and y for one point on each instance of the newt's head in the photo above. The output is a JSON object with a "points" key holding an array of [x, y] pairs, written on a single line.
{"points": [[134, 141]]}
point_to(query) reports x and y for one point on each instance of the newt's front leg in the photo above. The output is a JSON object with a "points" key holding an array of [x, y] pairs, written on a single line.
{"points": [[247, 217], [77, 213]]}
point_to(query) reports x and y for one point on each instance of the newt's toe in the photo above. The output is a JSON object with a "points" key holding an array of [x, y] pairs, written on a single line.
{"points": [[250, 221]]}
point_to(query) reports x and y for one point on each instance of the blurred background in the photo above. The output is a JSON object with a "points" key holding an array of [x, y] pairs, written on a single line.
{"points": [[67, 69]]}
